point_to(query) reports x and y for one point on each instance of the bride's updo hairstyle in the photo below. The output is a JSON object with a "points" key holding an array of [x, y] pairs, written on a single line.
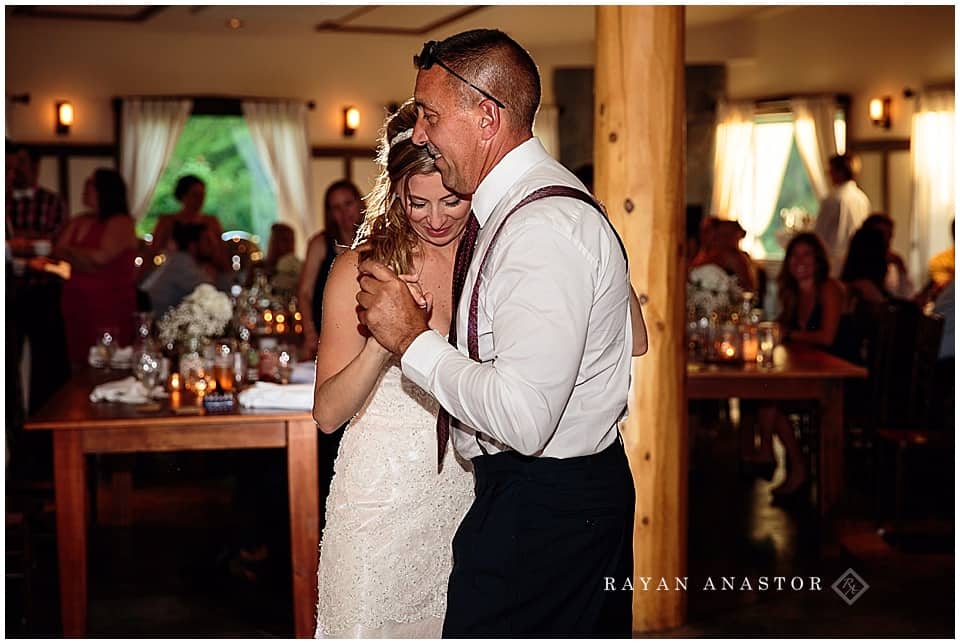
{"points": [[385, 226]]}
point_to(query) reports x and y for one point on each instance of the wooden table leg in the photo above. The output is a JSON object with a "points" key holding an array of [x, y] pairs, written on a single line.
{"points": [[70, 491], [304, 522], [831, 457]]}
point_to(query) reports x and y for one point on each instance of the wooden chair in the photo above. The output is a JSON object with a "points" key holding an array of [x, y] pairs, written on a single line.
{"points": [[29, 518], [903, 392]]}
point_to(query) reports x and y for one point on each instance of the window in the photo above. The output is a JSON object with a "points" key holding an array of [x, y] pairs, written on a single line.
{"points": [[796, 205], [765, 183], [220, 151]]}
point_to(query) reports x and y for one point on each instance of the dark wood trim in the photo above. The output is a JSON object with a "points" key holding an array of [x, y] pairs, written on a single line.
{"points": [[323, 151], [143, 15], [63, 177], [334, 24], [879, 145], [117, 105], [885, 147], [340, 26], [842, 99], [215, 105], [71, 149]]}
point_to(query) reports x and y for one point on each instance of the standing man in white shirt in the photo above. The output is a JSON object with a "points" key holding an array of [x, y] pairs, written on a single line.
{"points": [[542, 373], [842, 212]]}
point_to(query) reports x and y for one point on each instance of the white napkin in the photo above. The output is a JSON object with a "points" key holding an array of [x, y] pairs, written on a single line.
{"points": [[128, 390], [273, 396]]}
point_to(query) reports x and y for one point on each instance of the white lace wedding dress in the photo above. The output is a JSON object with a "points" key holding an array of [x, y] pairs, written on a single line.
{"points": [[385, 557]]}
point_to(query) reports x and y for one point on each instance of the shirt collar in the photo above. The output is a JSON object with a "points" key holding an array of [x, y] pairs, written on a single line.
{"points": [[504, 175]]}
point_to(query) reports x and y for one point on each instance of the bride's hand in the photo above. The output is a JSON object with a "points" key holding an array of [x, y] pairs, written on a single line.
{"points": [[423, 300], [377, 349]]}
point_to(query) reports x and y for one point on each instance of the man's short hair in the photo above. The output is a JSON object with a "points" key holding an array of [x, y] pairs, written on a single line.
{"points": [[494, 61], [32, 152], [842, 165]]}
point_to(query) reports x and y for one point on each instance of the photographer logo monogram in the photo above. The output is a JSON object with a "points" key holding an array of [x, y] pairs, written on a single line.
{"points": [[849, 586]]}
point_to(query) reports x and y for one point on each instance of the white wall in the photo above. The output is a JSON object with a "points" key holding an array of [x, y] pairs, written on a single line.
{"points": [[91, 63], [861, 50], [864, 51]]}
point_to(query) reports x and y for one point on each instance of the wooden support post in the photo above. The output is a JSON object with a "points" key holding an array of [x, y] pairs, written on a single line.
{"points": [[639, 175]]}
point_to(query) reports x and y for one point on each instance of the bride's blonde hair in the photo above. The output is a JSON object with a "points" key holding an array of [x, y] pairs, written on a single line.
{"points": [[385, 226]]}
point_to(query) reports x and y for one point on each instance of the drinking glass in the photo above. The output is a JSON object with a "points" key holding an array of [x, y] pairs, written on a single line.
{"points": [[223, 365], [105, 347], [147, 370], [768, 335], [285, 364]]}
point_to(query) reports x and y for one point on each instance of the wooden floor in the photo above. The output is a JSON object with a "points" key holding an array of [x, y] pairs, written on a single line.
{"points": [[168, 575]]}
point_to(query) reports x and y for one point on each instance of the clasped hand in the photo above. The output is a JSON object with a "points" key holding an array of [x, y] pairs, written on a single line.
{"points": [[392, 306]]}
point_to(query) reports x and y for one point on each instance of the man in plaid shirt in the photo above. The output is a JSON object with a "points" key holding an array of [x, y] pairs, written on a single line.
{"points": [[32, 212], [33, 298]]}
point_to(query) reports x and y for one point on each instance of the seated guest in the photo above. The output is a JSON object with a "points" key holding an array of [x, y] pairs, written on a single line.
{"points": [[941, 268], [944, 393], [190, 191], [720, 245], [811, 303], [281, 264], [865, 269], [897, 281], [180, 273], [101, 246]]}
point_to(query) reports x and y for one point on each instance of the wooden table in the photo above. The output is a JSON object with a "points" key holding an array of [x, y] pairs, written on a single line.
{"points": [[798, 373], [80, 427]]}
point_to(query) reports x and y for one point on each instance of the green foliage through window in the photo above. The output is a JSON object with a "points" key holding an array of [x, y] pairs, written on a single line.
{"points": [[796, 191], [220, 151]]}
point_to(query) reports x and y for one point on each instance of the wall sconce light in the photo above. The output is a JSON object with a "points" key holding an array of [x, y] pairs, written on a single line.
{"points": [[880, 112], [351, 120], [64, 116]]}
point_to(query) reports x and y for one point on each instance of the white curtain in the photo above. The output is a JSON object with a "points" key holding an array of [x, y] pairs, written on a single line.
{"points": [[749, 163], [151, 129], [816, 138], [932, 158], [279, 130], [732, 159], [545, 128]]}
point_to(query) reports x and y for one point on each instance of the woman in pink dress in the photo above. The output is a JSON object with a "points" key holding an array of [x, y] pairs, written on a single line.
{"points": [[100, 246]]}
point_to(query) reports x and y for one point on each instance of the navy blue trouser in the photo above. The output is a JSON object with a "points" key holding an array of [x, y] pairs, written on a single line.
{"points": [[531, 555]]}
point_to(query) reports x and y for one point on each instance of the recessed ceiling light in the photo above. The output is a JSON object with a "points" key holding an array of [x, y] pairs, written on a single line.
{"points": [[234, 23]]}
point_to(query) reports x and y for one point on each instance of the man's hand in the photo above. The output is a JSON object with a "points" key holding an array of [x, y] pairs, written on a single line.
{"points": [[388, 309]]}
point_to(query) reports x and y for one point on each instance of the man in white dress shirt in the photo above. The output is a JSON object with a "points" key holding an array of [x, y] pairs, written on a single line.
{"points": [[842, 212], [538, 406]]}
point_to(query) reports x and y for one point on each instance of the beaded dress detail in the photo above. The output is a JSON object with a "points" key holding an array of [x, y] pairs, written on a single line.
{"points": [[386, 552]]}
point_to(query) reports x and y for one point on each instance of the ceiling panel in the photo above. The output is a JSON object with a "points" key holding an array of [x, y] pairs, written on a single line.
{"points": [[404, 17], [532, 25]]}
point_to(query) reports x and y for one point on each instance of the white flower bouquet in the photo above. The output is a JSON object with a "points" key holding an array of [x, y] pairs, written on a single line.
{"points": [[202, 314], [710, 289]]}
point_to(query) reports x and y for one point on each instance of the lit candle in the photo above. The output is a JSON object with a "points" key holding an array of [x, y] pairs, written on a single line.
{"points": [[750, 347], [727, 350], [174, 382]]}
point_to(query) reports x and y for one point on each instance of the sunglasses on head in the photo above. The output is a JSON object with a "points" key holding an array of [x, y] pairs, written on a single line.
{"points": [[428, 58]]}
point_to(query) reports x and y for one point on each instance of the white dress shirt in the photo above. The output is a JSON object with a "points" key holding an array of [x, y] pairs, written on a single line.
{"points": [[841, 214], [553, 323]]}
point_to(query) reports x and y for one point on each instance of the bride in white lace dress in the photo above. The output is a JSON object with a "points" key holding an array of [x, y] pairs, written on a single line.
{"points": [[386, 552]]}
